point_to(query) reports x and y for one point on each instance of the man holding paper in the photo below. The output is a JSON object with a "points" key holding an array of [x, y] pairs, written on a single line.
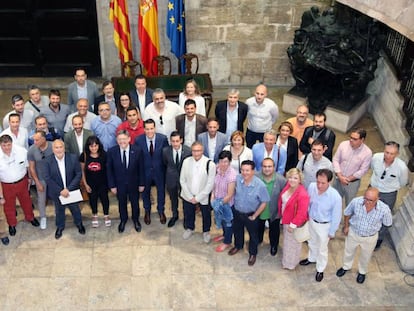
{"points": [[62, 175]]}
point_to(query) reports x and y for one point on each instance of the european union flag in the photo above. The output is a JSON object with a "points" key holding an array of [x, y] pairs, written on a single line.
{"points": [[176, 29]]}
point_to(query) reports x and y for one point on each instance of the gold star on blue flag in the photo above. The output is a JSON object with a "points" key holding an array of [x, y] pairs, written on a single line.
{"points": [[176, 29]]}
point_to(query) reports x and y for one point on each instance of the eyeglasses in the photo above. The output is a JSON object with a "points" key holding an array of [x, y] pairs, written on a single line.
{"points": [[383, 174], [161, 121], [43, 154]]}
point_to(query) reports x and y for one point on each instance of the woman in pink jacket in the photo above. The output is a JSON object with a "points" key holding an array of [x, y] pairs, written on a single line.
{"points": [[293, 206]]}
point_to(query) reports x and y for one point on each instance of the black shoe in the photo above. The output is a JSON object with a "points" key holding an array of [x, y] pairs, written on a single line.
{"points": [[121, 226], [341, 272], [273, 250], [147, 218], [319, 276], [58, 233], [81, 229], [252, 260], [12, 230], [172, 222], [306, 262], [163, 219], [5, 240], [137, 226], [360, 278], [35, 222], [378, 245]]}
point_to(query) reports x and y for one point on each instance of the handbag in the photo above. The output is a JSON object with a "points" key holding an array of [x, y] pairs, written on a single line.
{"points": [[301, 233]]}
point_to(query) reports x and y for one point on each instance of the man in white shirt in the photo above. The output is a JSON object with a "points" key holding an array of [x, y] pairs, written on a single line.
{"points": [[75, 139], [26, 116], [261, 115], [17, 133], [82, 110], [163, 112]]}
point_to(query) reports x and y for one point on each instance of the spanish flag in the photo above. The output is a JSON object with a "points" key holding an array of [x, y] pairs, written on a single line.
{"points": [[148, 32], [118, 14]]}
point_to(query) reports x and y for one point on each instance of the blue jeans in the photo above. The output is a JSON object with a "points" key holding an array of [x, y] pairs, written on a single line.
{"points": [[227, 232], [222, 213]]}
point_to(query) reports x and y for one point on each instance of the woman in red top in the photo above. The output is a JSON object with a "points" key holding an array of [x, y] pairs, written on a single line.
{"points": [[293, 206]]}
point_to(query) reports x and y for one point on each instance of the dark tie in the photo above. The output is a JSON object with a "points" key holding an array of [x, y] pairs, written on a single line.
{"points": [[124, 160], [177, 159], [151, 148]]}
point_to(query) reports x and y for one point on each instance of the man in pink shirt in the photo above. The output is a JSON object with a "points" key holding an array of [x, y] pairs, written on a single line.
{"points": [[351, 161]]}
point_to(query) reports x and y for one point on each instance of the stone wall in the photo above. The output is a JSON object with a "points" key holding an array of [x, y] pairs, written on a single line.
{"points": [[239, 42]]}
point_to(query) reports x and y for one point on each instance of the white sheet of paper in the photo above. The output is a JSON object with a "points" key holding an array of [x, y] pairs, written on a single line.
{"points": [[74, 196]]}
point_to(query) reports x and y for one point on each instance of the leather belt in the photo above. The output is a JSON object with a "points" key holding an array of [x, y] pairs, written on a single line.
{"points": [[15, 182], [321, 222]]}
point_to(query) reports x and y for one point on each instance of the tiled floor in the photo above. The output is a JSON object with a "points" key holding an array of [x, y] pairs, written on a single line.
{"points": [[157, 270]]}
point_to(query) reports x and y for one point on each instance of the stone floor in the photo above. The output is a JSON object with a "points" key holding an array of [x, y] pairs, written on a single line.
{"points": [[157, 270]]}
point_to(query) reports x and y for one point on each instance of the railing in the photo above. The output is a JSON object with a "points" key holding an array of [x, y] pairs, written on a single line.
{"points": [[400, 51]]}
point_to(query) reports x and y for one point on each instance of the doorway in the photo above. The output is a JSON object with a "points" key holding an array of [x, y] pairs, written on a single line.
{"points": [[48, 38]]}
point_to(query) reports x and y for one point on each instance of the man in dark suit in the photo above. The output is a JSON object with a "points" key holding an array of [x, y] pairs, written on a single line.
{"points": [[125, 170], [152, 145], [231, 113], [318, 131], [173, 157], [190, 123], [141, 96], [212, 138], [109, 96], [71, 137], [62, 175]]}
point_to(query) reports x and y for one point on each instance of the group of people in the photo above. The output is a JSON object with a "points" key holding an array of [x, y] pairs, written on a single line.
{"points": [[126, 143]]}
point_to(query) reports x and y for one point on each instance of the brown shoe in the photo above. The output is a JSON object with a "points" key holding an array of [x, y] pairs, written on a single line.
{"points": [[163, 219], [252, 260], [233, 251], [147, 218]]}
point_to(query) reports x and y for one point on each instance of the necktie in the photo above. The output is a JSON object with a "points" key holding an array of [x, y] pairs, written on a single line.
{"points": [[124, 160], [151, 148], [177, 159]]}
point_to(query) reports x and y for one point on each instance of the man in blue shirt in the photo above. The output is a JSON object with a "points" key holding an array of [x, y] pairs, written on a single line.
{"points": [[249, 202], [364, 217], [325, 213], [105, 126]]}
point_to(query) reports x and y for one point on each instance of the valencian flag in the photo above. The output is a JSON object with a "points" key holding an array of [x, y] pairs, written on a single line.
{"points": [[118, 14], [148, 32], [176, 29]]}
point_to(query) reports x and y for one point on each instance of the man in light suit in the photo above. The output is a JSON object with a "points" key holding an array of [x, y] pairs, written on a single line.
{"points": [[173, 157], [269, 149], [62, 175], [81, 88], [125, 170], [75, 139], [214, 139], [231, 113], [141, 96], [152, 145], [190, 124]]}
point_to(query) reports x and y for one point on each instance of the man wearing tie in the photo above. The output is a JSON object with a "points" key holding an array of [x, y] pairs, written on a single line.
{"points": [[62, 175], [125, 170], [152, 145], [173, 157]]}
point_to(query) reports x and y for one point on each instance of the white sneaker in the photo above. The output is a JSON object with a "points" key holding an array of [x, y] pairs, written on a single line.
{"points": [[267, 224], [187, 234], [206, 237], [43, 223]]}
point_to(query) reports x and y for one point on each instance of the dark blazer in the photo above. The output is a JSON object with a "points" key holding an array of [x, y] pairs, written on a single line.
{"points": [[221, 115], [327, 137], [154, 166], [220, 143], [53, 177], [201, 124], [71, 145], [172, 173], [292, 153], [117, 177], [135, 99], [101, 98]]}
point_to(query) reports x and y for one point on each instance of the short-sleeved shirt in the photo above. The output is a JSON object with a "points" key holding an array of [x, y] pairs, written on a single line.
{"points": [[95, 170], [367, 224], [221, 183], [13, 167], [249, 197], [38, 156]]}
